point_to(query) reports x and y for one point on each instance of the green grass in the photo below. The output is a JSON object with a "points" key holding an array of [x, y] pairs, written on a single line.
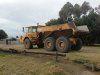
{"points": [[14, 64], [92, 57], [26, 65], [4, 55], [35, 65], [88, 58]]}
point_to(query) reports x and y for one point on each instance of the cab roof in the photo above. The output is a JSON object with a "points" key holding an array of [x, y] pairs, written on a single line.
{"points": [[31, 26], [35, 26]]}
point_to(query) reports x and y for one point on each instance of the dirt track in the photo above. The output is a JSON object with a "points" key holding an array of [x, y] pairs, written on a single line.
{"points": [[14, 64]]}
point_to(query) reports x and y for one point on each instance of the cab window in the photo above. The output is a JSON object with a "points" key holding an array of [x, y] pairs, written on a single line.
{"points": [[33, 29], [30, 30]]}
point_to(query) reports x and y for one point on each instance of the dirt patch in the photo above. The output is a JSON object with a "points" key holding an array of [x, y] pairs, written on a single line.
{"points": [[17, 64]]}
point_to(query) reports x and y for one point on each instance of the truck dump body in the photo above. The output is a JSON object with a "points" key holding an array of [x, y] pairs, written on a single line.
{"points": [[54, 28], [57, 30]]}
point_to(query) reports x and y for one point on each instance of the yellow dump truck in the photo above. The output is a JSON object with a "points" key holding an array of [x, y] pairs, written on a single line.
{"points": [[57, 37]]}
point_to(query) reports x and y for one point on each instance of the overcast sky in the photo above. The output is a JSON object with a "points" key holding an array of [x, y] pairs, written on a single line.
{"points": [[16, 13]]}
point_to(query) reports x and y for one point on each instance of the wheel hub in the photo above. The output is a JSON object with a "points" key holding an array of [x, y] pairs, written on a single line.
{"points": [[49, 44], [61, 44]]}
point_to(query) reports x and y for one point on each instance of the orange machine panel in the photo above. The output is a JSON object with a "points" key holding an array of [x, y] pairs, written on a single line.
{"points": [[53, 28]]}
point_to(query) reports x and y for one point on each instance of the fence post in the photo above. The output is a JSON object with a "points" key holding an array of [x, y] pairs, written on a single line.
{"points": [[56, 56]]}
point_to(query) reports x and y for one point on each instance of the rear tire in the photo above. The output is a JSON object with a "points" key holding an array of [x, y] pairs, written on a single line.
{"points": [[62, 44], [49, 44], [78, 45], [27, 44]]}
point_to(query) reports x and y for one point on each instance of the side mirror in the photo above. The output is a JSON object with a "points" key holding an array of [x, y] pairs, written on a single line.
{"points": [[23, 29], [17, 37]]}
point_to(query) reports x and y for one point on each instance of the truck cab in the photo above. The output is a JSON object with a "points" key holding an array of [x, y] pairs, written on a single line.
{"points": [[31, 31], [31, 37]]}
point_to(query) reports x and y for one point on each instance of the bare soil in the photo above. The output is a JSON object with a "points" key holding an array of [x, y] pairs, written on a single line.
{"points": [[39, 65], [17, 64]]}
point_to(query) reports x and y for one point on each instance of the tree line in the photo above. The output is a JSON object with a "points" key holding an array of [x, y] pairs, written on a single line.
{"points": [[3, 34]]}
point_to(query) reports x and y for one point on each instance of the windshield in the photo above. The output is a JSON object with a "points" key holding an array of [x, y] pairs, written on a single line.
{"points": [[31, 29]]}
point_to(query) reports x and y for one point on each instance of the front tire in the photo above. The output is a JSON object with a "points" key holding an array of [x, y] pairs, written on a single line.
{"points": [[49, 44], [27, 44], [62, 44]]}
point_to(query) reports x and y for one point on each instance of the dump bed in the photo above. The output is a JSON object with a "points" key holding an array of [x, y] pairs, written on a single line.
{"points": [[55, 27]]}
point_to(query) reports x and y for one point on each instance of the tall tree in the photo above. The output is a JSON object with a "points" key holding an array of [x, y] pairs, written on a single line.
{"points": [[85, 7], [77, 11], [66, 11], [89, 20], [98, 9], [54, 22], [98, 17]]}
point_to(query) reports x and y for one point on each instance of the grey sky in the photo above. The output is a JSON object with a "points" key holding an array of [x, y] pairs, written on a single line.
{"points": [[23, 12]]}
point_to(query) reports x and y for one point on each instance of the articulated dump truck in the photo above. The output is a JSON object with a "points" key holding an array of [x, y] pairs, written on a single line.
{"points": [[62, 37]]}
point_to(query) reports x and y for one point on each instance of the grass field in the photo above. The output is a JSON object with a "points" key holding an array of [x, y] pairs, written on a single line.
{"points": [[38, 65], [86, 55], [17, 64]]}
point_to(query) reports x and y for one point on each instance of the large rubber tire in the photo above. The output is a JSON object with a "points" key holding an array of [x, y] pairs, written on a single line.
{"points": [[27, 44], [62, 44], [78, 45], [49, 44]]}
